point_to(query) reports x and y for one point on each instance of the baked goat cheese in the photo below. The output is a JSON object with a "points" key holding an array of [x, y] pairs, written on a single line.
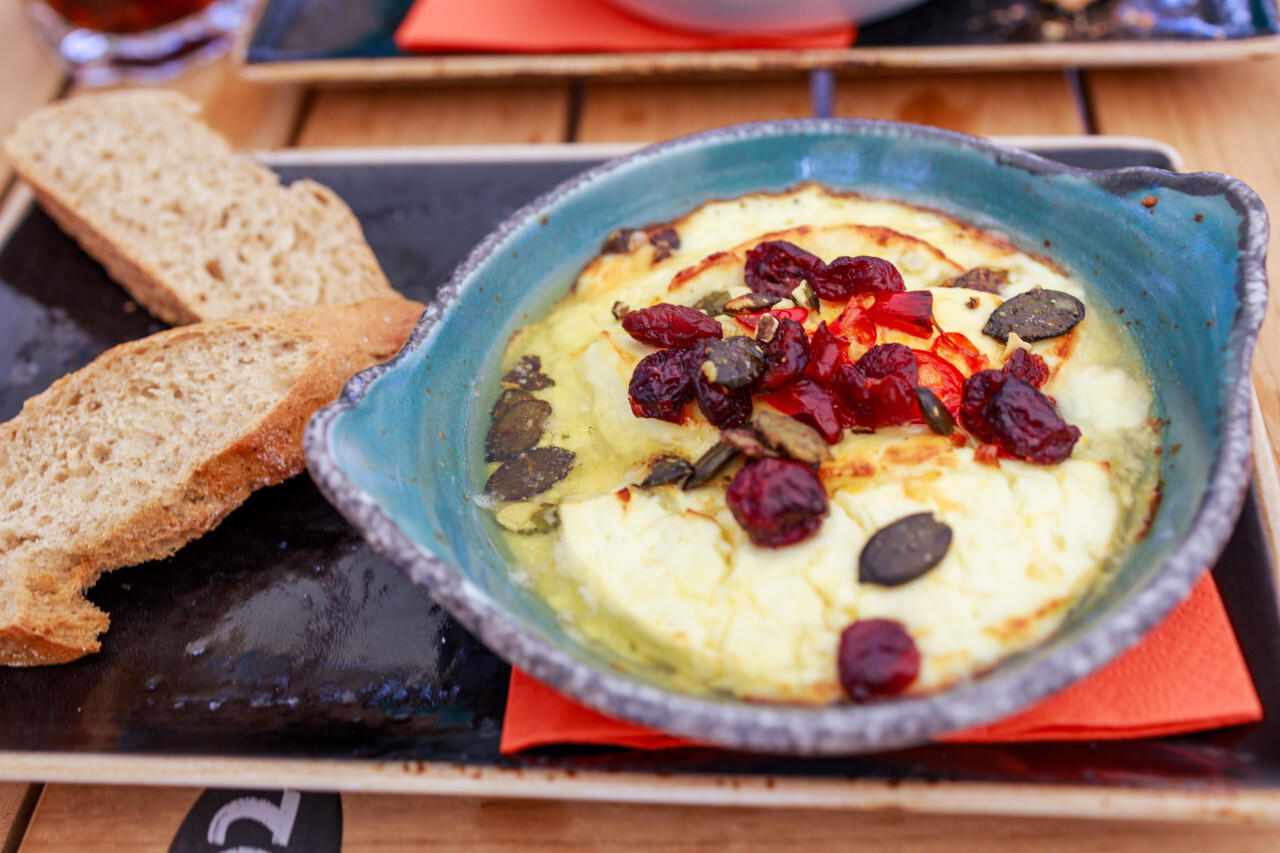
{"points": [[953, 387]]}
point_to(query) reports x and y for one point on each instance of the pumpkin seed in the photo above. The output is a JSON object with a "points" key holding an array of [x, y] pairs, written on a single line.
{"points": [[1035, 315], [790, 437], [527, 375], [709, 464], [734, 362], [519, 428], [936, 415], [530, 473], [804, 296], [750, 303], [984, 279], [767, 328], [527, 518], [667, 471], [622, 242], [904, 550], [713, 303], [748, 441], [508, 398], [664, 241]]}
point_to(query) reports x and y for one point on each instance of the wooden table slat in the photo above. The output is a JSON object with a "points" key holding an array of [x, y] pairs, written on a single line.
{"points": [[1031, 102], [16, 802], [649, 111], [1037, 102], [31, 78], [250, 115], [144, 820], [462, 115]]}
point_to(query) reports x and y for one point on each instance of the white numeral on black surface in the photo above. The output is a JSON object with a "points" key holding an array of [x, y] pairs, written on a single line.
{"points": [[278, 819]]}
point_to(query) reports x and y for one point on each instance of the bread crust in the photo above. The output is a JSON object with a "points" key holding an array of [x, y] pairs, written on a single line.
{"points": [[140, 282], [354, 337]]}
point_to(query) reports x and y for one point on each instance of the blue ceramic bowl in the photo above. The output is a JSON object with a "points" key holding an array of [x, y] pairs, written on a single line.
{"points": [[400, 453]]}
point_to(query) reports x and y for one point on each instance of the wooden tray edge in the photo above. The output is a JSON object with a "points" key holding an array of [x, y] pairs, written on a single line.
{"points": [[562, 151], [973, 57], [1032, 800], [1266, 483], [1239, 805]]}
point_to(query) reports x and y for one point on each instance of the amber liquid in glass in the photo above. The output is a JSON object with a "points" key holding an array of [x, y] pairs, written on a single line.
{"points": [[125, 16]]}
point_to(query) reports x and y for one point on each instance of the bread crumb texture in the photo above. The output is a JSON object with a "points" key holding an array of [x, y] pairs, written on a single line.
{"points": [[151, 445], [192, 230]]}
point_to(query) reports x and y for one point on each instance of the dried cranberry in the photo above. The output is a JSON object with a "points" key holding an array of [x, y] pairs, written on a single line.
{"points": [[880, 388], [666, 325], [847, 387], [910, 312], [725, 408], [785, 355], [777, 267], [661, 384], [885, 360], [1028, 367], [1029, 426], [876, 657], [889, 402], [809, 402], [979, 389], [777, 501], [1015, 417], [844, 277], [825, 352]]}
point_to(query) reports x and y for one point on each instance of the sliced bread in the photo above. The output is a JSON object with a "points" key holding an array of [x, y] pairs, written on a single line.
{"points": [[151, 445], [191, 230]]}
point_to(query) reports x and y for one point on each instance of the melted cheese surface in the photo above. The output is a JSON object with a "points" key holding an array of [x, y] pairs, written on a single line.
{"points": [[667, 578]]}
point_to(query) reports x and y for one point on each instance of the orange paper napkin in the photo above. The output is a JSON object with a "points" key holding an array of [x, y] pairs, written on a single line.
{"points": [[1186, 675], [570, 26]]}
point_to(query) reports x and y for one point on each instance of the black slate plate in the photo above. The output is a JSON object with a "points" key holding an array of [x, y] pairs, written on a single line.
{"points": [[282, 635], [309, 30]]}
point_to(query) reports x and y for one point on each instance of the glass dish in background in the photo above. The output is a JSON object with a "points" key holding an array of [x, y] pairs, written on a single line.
{"points": [[109, 41], [971, 21], [755, 16]]}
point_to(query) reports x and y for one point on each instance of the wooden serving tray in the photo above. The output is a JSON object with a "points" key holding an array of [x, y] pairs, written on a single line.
{"points": [[280, 652], [331, 41]]}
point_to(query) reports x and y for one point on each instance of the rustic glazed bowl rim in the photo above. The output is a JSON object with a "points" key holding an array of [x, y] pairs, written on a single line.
{"points": [[838, 729]]}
